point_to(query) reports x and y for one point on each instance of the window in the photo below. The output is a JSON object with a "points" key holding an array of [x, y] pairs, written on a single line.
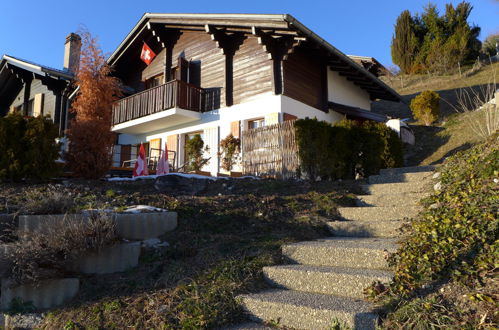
{"points": [[255, 123], [155, 81]]}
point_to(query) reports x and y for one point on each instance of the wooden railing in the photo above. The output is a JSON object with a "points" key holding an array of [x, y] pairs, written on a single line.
{"points": [[173, 94]]}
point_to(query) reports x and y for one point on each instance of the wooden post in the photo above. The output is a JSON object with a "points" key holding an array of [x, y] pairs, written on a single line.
{"points": [[27, 91], [229, 43]]}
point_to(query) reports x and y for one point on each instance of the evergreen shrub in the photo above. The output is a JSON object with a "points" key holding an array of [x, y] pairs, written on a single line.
{"points": [[346, 149], [426, 107], [28, 148], [194, 150]]}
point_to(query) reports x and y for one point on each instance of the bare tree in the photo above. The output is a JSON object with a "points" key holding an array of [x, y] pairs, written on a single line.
{"points": [[480, 107]]}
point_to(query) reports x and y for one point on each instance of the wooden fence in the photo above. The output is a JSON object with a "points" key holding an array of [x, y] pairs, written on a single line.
{"points": [[270, 151]]}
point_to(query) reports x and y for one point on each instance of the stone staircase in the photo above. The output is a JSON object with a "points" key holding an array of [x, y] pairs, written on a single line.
{"points": [[325, 279]]}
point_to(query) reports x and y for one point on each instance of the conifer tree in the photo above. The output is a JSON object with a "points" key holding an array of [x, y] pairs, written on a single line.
{"points": [[404, 42]]}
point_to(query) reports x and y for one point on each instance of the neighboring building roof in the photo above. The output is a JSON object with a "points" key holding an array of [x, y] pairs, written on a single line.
{"points": [[371, 64], [357, 113], [277, 24], [35, 68]]}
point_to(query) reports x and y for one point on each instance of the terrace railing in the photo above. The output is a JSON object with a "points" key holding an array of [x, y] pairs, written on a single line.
{"points": [[173, 94]]}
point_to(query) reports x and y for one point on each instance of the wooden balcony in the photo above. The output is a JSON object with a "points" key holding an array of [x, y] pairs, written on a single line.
{"points": [[173, 94]]}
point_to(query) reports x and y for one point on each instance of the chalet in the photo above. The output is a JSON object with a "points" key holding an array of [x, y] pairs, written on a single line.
{"points": [[33, 89], [216, 74]]}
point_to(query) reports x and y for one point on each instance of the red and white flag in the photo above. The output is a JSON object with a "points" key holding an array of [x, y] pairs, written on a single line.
{"points": [[163, 167], [147, 55], [141, 163]]}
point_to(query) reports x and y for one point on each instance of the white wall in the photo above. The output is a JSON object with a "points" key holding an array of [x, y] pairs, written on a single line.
{"points": [[221, 119], [340, 90]]}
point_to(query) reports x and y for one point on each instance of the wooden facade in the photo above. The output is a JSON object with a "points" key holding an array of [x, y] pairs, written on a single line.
{"points": [[237, 59], [33, 90]]}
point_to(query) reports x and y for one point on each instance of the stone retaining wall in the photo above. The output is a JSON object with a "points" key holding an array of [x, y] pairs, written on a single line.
{"points": [[131, 226], [114, 259], [45, 294]]}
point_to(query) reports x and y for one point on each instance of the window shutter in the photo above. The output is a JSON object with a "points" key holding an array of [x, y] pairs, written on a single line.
{"points": [[38, 105], [271, 118], [235, 128]]}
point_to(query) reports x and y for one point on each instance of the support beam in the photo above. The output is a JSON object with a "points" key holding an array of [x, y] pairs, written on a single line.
{"points": [[278, 48], [229, 43], [27, 91]]}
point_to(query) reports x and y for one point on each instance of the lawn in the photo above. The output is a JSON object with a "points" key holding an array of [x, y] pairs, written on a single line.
{"points": [[223, 240]]}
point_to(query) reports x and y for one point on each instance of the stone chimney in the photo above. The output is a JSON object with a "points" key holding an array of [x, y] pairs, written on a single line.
{"points": [[72, 49]]}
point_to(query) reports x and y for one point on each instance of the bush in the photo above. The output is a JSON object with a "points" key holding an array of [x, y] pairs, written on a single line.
{"points": [[230, 147], [50, 201], [28, 147], [90, 136], [346, 149], [39, 256], [446, 238], [426, 107], [194, 153]]}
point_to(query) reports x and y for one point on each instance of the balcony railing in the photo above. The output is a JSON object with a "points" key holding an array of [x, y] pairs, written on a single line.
{"points": [[173, 94]]}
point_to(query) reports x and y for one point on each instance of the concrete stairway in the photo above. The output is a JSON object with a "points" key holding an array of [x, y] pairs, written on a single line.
{"points": [[325, 279]]}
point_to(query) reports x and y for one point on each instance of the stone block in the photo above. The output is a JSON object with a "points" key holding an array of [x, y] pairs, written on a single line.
{"points": [[41, 223], [113, 259], [142, 226], [43, 295]]}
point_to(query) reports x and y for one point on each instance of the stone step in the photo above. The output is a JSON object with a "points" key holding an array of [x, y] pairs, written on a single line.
{"points": [[386, 228], [339, 281], [408, 169], [247, 326], [408, 198], [303, 310], [396, 188], [402, 177], [342, 252], [378, 213]]}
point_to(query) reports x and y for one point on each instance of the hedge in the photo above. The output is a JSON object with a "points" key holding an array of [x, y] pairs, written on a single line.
{"points": [[346, 149], [28, 148]]}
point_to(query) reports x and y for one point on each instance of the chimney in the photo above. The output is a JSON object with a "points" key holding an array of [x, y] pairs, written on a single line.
{"points": [[72, 49]]}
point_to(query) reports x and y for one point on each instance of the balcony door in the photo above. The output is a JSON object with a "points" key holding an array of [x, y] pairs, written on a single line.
{"points": [[188, 71]]}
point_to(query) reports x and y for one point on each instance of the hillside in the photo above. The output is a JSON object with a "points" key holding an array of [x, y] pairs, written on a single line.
{"points": [[452, 132]]}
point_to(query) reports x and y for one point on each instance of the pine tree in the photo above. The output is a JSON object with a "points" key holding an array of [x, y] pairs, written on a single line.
{"points": [[90, 136], [404, 42]]}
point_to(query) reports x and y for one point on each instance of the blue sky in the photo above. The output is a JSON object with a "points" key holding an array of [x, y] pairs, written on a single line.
{"points": [[36, 29]]}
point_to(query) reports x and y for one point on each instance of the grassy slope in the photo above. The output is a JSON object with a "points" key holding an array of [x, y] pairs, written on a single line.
{"points": [[222, 242], [452, 132]]}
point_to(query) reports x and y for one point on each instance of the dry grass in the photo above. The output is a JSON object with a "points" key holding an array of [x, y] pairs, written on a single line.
{"points": [[454, 130], [49, 254], [412, 84]]}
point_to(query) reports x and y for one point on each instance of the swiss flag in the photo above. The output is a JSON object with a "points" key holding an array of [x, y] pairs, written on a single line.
{"points": [[141, 163], [163, 167], [147, 54]]}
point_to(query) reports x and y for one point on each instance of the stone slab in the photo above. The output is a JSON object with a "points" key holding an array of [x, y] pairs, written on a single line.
{"points": [[386, 228], [340, 281], [142, 226], [342, 252], [131, 226], [113, 259], [302, 310], [402, 177], [408, 169], [43, 295]]}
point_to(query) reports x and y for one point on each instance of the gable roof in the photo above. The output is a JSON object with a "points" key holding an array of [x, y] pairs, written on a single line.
{"points": [[35, 68], [277, 24]]}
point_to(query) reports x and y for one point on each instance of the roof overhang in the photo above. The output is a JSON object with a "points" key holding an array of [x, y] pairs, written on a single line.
{"points": [[276, 24], [357, 113], [35, 68]]}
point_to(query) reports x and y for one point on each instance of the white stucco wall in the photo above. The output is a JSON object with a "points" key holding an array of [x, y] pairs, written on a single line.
{"points": [[343, 91], [260, 107]]}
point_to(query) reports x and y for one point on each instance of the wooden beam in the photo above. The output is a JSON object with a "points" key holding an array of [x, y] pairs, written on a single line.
{"points": [[278, 47], [229, 43]]}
